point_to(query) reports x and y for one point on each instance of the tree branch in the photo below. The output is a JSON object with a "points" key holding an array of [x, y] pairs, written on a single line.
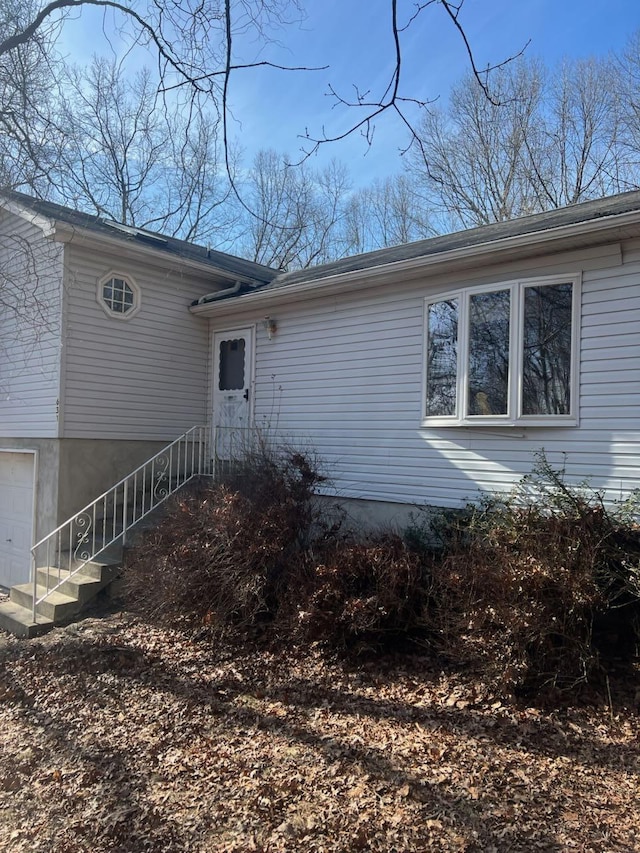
{"points": [[453, 11]]}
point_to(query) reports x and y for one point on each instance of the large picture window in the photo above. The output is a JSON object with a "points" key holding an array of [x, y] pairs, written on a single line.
{"points": [[504, 354]]}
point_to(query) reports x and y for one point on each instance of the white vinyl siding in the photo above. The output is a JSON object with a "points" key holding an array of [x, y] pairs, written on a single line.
{"points": [[30, 284], [344, 375], [143, 379]]}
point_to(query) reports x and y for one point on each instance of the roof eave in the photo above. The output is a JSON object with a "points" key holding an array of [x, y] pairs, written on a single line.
{"points": [[66, 232], [369, 275], [46, 225]]}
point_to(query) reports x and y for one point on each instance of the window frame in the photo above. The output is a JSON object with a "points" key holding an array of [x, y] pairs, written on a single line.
{"points": [[514, 416], [128, 280]]}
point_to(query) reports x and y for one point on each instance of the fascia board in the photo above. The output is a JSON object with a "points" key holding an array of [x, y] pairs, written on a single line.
{"points": [[47, 226], [66, 233], [412, 267]]}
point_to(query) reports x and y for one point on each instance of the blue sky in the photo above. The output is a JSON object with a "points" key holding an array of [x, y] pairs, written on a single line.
{"points": [[353, 37]]}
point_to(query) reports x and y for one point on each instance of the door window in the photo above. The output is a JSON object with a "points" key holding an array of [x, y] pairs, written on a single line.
{"points": [[232, 360]]}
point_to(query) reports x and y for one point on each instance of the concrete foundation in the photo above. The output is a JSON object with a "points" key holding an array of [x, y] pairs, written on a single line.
{"points": [[73, 472], [367, 515], [88, 467]]}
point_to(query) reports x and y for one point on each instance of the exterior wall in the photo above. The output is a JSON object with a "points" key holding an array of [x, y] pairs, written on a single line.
{"points": [[143, 378], [344, 375], [88, 467], [73, 472], [117, 390], [30, 296], [47, 467]]}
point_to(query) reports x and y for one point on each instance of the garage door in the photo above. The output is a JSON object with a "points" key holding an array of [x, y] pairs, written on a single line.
{"points": [[16, 516]]}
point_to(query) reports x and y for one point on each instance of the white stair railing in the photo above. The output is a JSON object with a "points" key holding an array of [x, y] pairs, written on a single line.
{"points": [[105, 521], [233, 443]]}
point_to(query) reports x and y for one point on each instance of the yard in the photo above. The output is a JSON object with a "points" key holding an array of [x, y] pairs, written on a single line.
{"points": [[118, 736]]}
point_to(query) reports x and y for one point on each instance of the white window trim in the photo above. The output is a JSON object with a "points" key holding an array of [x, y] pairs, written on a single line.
{"points": [[516, 320], [137, 296]]}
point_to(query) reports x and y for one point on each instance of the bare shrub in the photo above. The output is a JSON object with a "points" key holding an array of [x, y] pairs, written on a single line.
{"points": [[369, 591], [538, 588], [534, 588], [226, 553]]}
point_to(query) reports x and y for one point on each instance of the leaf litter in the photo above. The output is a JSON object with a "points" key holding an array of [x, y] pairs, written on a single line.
{"points": [[116, 735]]}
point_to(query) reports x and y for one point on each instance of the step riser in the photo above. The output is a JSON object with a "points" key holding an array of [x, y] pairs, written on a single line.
{"points": [[82, 586], [94, 570], [20, 628], [83, 590], [78, 590], [88, 573], [16, 615], [46, 608]]}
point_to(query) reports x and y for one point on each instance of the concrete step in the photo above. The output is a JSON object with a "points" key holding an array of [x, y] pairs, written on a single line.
{"points": [[75, 592], [110, 558], [18, 620], [109, 562], [56, 607], [83, 585]]}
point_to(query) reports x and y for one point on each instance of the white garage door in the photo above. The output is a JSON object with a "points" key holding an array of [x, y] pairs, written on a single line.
{"points": [[16, 516]]}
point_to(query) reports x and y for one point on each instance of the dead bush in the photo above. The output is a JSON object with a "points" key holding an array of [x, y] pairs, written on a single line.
{"points": [[227, 553], [365, 592], [537, 588]]}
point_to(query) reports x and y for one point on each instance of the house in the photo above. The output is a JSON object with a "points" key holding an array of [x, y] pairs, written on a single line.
{"points": [[425, 373], [420, 374], [101, 361]]}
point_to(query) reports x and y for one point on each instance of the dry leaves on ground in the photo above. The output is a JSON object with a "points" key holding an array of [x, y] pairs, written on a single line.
{"points": [[119, 736]]}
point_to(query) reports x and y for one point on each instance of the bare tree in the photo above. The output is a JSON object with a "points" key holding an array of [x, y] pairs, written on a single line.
{"points": [[473, 157], [387, 213], [574, 151], [195, 43], [298, 212], [27, 137], [552, 139], [200, 47], [128, 158], [627, 87]]}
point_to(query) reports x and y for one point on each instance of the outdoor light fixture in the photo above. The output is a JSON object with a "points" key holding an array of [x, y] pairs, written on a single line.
{"points": [[271, 326]]}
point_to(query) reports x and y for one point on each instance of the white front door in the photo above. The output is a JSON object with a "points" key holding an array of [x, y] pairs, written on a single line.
{"points": [[16, 516], [232, 403]]}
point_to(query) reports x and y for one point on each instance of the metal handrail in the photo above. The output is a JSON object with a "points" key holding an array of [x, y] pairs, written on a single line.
{"points": [[110, 516]]}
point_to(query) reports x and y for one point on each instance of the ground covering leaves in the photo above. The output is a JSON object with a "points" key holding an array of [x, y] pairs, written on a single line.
{"points": [[119, 736]]}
